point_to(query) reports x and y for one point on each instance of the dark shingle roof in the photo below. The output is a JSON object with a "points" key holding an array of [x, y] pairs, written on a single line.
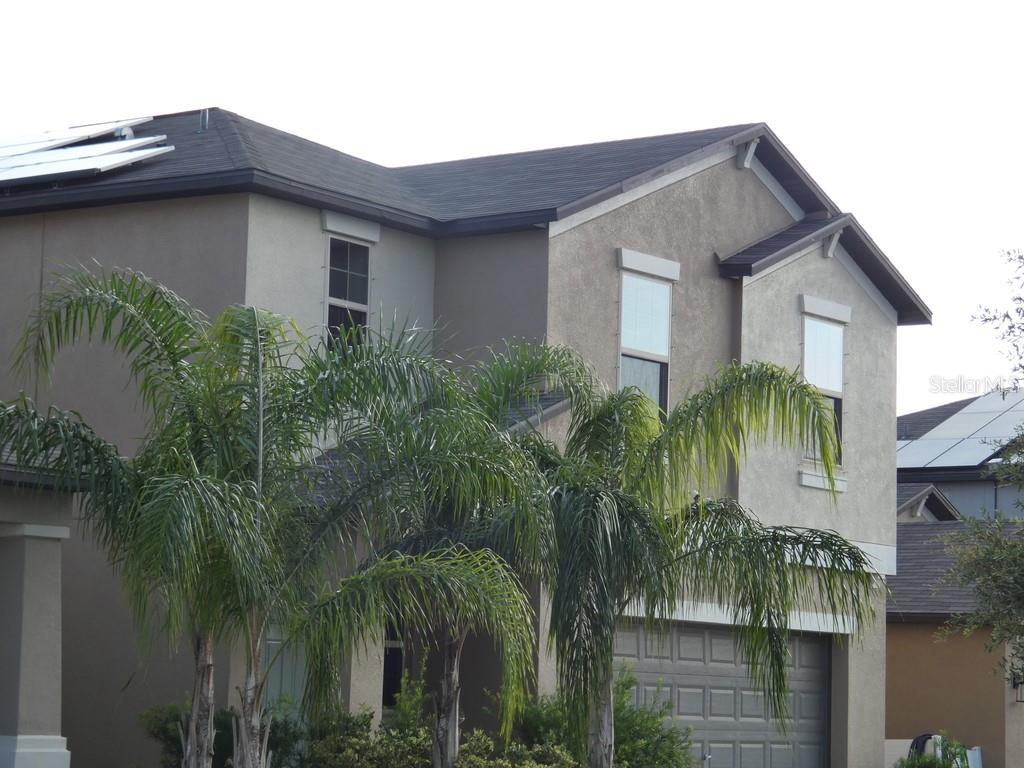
{"points": [[547, 178], [760, 255], [441, 192], [920, 590], [912, 426], [477, 196]]}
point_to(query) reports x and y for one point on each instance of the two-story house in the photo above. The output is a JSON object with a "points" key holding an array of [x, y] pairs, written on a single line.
{"points": [[658, 259]]}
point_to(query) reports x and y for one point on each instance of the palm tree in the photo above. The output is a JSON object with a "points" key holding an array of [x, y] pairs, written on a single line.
{"points": [[217, 525], [630, 533], [492, 500]]}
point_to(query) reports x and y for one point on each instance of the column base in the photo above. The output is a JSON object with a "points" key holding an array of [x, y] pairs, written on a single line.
{"points": [[34, 752]]}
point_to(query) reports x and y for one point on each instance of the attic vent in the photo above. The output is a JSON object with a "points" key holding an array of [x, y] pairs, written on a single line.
{"points": [[72, 153]]}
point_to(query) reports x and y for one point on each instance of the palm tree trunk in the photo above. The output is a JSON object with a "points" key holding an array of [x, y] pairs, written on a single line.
{"points": [[446, 730], [601, 733], [252, 731], [198, 743]]}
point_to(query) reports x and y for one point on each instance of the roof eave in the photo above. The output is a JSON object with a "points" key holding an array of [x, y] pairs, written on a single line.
{"points": [[910, 307], [730, 267]]}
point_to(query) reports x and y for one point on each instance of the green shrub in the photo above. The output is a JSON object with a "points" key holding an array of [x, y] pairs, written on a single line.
{"points": [[349, 741], [478, 750], [953, 756], [643, 738], [411, 709], [543, 722]]}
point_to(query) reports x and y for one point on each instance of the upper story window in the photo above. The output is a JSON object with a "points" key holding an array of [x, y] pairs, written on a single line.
{"points": [[348, 284], [646, 336], [823, 355]]}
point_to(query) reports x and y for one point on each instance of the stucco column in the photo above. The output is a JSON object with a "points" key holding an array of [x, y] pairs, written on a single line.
{"points": [[30, 630], [362, 678], [858, 694], [547, 664]]}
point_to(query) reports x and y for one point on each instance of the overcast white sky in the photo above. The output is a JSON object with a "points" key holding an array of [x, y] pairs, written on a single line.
{"points": [[908, 114]]}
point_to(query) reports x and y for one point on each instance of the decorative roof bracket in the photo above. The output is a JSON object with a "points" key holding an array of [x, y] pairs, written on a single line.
{"points": [[745, 154]]}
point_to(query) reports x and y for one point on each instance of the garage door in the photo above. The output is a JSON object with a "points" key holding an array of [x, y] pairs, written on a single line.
{"points": [[698, 669]]}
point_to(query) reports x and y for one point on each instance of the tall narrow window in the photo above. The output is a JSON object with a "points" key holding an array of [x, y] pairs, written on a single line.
{"points": [[646, 323], [823, 363], [393, 666], [348, 285]]}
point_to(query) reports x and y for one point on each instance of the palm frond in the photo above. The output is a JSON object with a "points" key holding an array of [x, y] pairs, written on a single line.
{"points": [[763, 574], [511, 382], [155, 328], [712, 430], [454, 587], [58, 446]]}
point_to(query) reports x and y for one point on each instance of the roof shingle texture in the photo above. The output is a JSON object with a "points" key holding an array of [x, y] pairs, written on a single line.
{"points": [[781, 241], [483, 186], [921, 589]]}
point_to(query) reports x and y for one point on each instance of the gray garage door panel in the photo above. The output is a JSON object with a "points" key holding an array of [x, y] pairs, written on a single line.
{"points": [[699, 670]]}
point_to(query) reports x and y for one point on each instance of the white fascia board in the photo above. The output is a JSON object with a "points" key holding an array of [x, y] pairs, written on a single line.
{"points": [[784, 198], [349, 226], [830, 310], [711, 613], [642, 190], [655, 266]]}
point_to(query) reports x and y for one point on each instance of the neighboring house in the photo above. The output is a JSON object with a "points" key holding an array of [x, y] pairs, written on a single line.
{"points": [[954, 446], [936, 683], [923, 502], [658, 259]]}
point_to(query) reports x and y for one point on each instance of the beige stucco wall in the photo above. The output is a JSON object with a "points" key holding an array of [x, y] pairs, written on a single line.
{"points": [[285, 271], [858, 687], [719, 210], [197, 247], [950, 684], [489, 289], [773, 330]]}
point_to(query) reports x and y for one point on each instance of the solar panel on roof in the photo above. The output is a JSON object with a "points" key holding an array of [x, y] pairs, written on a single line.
{"points": [[996, 401], [1002, 426], [969, 452], [67, 135], [79, 151], [68, 169], [920, 452], [72, 153], [961, 425]]}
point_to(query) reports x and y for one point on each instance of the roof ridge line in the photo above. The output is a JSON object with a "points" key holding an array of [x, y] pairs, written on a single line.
{"points": [[251, 154], [738, 128]]}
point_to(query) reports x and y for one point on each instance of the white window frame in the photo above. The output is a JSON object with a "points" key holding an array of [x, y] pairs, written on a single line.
{"points": [[642, 354], [328, 300], [813, 309], [806, 318]]}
